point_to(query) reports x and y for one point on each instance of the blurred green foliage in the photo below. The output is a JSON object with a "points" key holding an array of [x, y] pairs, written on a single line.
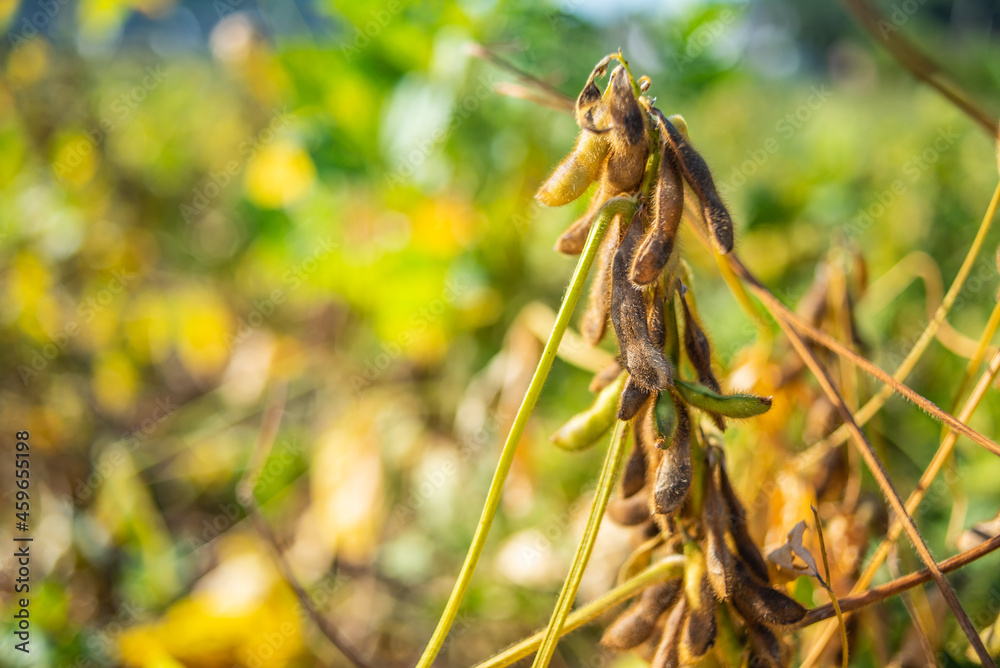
{"points": [[200, 202]]}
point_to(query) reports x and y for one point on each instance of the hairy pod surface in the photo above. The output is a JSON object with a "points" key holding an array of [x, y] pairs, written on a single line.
{"points": [[595, 318], [737, 406], [577, 171], [699, 177], [757, 601], [745, 546], [628, 137], [634, 475], [698, 632], [668, 206], [673, 476], [629, 512], [636, 624], [667, 653], [646, 363], [633, 398]]}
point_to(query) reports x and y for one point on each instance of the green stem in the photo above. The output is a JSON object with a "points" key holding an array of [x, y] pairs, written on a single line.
{"points": [[513, 438], [670, 567], [609, 474]]}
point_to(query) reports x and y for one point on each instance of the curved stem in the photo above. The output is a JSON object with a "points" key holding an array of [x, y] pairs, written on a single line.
{"points": [[609, 474], [513, 438], [940, 457], [876, 402], [878, 471], [669, 567]]}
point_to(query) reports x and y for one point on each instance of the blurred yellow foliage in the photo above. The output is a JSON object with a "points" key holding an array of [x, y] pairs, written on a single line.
{"points": [[239, 614], [279, 175]]}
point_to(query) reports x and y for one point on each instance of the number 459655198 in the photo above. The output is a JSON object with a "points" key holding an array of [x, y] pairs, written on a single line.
{"points": [[21, 474]]}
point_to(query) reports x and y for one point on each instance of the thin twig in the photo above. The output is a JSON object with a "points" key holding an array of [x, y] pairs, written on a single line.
{"points": [[906, 366], [885, 484], [559, 100], [888, 590], [664, 569], [245, 495], [829, 588], [785, 315], [937, 462], [913, 59], [911, 609]]}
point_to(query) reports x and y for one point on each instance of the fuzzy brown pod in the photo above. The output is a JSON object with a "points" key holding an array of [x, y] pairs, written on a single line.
{"points": [[698, 632], [745, 546], [765, 648], [759, 602], [636, 624], [646, 363], [628, 137], [634, 475], [698, 349], [699, 177], [668, 651], [716, 521], [595, 319], [588, 102], [633, 398], [673, 476], [629, 512], [577, 171], [668, 206], [573, 240], [656, 317]]}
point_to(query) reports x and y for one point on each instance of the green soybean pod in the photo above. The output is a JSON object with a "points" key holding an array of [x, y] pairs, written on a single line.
{"points": [[584, 429], [737, 406], [665, 414]]}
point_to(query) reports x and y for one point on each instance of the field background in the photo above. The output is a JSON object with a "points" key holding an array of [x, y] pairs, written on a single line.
{"points": [[206, 205]]}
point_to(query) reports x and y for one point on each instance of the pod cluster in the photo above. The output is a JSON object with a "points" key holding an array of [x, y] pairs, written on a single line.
{"points": [[725, 588], [674, 490]]}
